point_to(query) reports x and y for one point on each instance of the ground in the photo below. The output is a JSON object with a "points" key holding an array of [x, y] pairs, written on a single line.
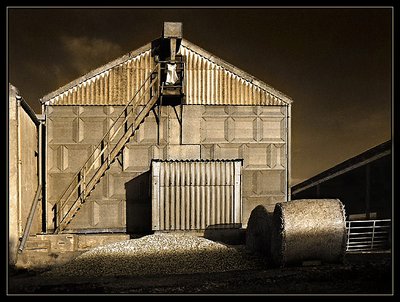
{"points": [[358, 274]]}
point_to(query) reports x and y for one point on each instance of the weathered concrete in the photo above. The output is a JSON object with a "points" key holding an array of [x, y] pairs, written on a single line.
{"points": [[44, 251], [255, 134]]}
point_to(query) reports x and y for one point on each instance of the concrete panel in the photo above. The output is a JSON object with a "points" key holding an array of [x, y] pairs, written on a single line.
{"points": [[227, 151], [148, 131], [108, 213], [191, 124], [270, 183], [116, 184], [242, 129], [136, 158], [256, 156], [61, 130], [174, 125], [94, 129], [263, 183], [213, 130], [272, 129], [182, 152], [61, 111], [237, 111], [57, 183], [276, 156], [216, 111], [84, 217]]}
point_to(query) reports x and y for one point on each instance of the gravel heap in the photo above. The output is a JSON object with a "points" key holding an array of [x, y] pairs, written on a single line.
{"points": [[154, 255]]}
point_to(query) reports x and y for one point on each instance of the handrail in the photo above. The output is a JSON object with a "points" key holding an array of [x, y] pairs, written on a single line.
{"points": [[30, 219]]}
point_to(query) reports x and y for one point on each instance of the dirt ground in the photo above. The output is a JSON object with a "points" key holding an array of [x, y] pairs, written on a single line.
{"points": [[358, 275]]}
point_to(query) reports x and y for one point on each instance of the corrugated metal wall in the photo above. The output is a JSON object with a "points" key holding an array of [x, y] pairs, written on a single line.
{"points": [[193, 195], [207, 83], [115, 86]]}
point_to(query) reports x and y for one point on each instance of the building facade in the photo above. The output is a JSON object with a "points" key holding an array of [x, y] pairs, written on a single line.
{"points": [[220, 113]]}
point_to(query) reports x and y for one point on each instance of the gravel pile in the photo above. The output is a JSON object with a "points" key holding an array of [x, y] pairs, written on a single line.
{"points": [[154, 255]]}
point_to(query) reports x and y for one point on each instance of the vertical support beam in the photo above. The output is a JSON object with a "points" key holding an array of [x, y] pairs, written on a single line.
{"points": [[45, 165], [288, 151], [173, 48], [237, 218], [19, 166], [367, 191], [155, 204]]}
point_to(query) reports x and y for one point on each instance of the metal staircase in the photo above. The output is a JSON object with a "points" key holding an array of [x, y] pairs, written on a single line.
{"points": [[127, 122]]}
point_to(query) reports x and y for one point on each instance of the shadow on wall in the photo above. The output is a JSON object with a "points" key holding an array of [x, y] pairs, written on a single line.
{"points": [[138, 205]]}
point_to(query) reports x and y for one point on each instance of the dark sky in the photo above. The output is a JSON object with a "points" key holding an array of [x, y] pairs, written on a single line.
{"points": [[334, 62]]}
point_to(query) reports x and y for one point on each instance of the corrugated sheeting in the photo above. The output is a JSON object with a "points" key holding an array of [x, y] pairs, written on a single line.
{"points": [[208, 80], [207, 83], [193, 195], [115, 86]]}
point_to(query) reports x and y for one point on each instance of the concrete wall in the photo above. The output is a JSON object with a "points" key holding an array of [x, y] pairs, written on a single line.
{"points": [[23, 170], [256, 134]]}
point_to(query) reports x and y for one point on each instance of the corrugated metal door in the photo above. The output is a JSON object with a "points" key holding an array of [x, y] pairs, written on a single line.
{"points": [[194, 195]]}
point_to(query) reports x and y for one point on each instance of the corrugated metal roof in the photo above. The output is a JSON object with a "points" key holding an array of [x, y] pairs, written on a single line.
{"points": [[208, 81], [196, 160], [371, 155]]}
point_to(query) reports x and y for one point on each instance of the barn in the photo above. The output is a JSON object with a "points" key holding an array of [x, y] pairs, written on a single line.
{"points": [[168, 137]]}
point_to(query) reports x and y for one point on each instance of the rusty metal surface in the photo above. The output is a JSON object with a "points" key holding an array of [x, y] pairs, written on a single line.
{"points": [[208, 80], [210, 83], [113, 86], [194, 195]]}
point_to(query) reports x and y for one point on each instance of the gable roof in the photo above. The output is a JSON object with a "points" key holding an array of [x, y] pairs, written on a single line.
{"points": [[208, 80]]}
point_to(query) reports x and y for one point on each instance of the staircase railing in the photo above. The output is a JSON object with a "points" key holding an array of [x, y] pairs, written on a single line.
{"points": [[85, 180]]}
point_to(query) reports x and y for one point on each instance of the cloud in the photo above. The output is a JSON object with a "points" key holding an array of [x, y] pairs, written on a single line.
{"points": [[85, 54]]}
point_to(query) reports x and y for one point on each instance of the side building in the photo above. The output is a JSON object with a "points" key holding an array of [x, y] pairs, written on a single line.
{"points": [[363, 183]]}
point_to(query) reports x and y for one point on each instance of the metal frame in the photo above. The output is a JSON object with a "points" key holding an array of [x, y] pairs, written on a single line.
{"points": [[368, 235]]}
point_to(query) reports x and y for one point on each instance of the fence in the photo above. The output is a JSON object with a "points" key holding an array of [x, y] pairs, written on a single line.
{"points": [[368, 235]]}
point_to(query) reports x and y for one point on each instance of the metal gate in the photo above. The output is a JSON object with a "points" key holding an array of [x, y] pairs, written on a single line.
{"points": [[368, 235], [194, 195]]}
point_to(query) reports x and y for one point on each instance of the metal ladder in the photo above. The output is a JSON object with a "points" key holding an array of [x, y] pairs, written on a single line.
{"points": [[104, 154]]}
